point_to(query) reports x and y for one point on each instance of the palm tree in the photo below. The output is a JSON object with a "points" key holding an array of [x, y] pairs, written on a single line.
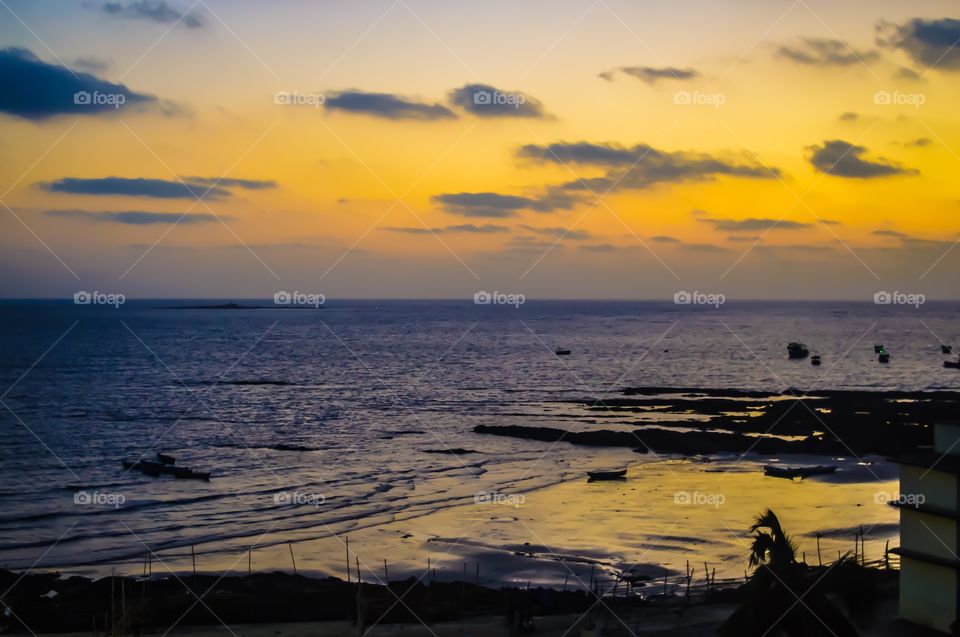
{"points": [[785, 597]]}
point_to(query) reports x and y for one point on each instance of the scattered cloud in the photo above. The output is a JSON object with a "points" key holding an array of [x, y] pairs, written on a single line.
{"points": [[137, 187], [843, 159], [35, 90], [231, 182], [651, 75], [134, 217], [665, 239], [849, 116], [641, 166], [824, 52], [491, 204], [558, 232], [92, 64], [904, 73], [385, 105], [932, 43], [920, 142], [754, 224], [891, 233], [156, 11], [484, 100], [465, 227]]}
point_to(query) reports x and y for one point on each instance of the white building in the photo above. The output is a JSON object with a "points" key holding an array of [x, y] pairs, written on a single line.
{"points": [[929, 506]]}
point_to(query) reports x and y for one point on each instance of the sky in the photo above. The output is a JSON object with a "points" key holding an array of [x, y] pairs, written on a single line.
{"points": [[428, 149]]}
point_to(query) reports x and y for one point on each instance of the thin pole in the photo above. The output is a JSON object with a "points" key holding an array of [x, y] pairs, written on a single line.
{"points": [[249, 560], [292, 558], [347, 547], [819, 560], [193, 554], [359, 581], [386, 571]]}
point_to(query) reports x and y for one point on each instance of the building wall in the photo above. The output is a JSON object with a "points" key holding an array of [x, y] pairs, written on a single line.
{"points": [[928, 594], [932, 534], [937, 488]]}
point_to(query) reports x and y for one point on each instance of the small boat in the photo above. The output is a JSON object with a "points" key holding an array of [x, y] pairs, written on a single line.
{"points": [[155, 469], [797, 350], [877, 348], [562, 352], [952, 364], [884, 356], [165, 459], [778, 471], [617, 474], [946, 349], [186, 473], [815, 360]]}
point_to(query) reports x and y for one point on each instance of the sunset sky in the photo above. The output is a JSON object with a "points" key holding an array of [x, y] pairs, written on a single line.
{"points": [[561, 149]]}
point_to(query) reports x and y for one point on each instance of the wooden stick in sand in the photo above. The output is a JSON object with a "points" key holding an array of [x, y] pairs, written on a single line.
{"points": [[347, 547]]}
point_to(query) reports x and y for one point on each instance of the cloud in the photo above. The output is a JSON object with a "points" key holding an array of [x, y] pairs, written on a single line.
{"points": [[92, 64], [386, 105], [890, 233], [753, 224], [928, 42], [32, 89], [484, 100], [640, 166], [465, 227], [558, 232], [849, 116], [138, 187], [156, 11], [134, 217], [491, 204], [651, 75], [903, 73], [665, 239], [843, 159], [231, 182], [825, 52], [920, 142]]}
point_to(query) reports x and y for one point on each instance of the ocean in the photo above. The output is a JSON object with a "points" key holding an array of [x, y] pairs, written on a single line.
{"points": [[340, 421]]}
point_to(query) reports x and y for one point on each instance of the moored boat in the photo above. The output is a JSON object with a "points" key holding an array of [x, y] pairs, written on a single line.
{"points": [[779, 471], [797, 350], [560, 351], [815, 360], [617, 474]]}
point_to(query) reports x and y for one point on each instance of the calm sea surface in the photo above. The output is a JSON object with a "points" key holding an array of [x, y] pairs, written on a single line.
{"points": [[345, 402]]}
